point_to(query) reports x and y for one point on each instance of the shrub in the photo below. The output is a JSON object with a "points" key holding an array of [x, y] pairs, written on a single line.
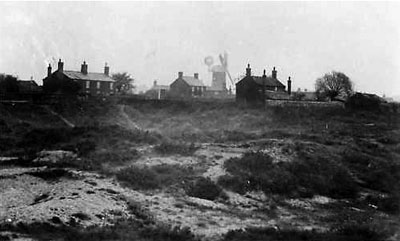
{"points": [[181, 148], [139, 178], [146, 178], [123, 229], [234, 183], [84, 147], [306, 176], [206, 189], [81, 216], [375, 173], [51, 174], [388, 203], [345, 233], [136, 209]]}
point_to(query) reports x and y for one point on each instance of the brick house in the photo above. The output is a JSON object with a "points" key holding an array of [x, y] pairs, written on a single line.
{"points": [[187, 87], [78, 82], [157, 91], [255, 88]]}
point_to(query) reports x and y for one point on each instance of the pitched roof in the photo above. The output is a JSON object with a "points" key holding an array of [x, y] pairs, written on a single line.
{"points": [[269, 81], [190, 80], [214, 88], [160, 87], [89, 76], [28, 85]]}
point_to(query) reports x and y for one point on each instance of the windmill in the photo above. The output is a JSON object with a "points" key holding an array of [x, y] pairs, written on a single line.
{"points": [[224, 63], [219, 72]]}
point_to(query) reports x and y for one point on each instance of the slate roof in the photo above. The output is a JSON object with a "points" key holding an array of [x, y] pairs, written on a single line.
{"points": [[28, 85], [269, 81], [89, 76], [160, 87], [213, 88], [190, 80]]}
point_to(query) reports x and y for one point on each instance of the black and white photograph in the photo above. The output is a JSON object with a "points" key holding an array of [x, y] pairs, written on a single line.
{"points": [[200, 120]]}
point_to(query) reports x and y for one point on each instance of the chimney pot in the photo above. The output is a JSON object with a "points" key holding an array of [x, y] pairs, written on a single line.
{"points": [[49, 70], [196, 75], [289, 86], [274, 73], [180, 75], [248, 70], [60, 66], [84, 68], [106, 69]]}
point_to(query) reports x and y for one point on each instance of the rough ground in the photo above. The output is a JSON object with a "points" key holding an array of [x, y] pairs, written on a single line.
{"points": [[86, 198]]}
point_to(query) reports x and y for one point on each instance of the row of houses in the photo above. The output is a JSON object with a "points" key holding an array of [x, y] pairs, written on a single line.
{"points": [[187, 87], [250, 88]]}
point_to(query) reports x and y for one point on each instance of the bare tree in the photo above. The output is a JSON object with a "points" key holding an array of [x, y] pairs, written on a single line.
{"points": [[123, 82], [333, 85], [8, 84]]}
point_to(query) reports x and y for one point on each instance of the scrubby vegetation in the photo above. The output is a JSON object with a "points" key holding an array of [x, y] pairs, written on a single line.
{"points": [[125, 229], [304, 177], [346, 233], [146, 178], [348, 155], [181, 148], [206, 189]]}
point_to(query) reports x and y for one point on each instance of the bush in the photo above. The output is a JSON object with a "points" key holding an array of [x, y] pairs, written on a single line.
{"points": [[123, 229], [388, 203], [146, 178], [180, 148], [51, 174], [139, 178], [234, 183], [306, 176], [345, 233], [375, 173], [206, 189]]}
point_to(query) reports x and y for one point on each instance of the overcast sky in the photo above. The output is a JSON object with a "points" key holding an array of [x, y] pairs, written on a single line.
{"points": [[155, 40]]}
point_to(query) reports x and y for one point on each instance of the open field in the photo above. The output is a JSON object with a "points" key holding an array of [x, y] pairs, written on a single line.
{"points": [[148, 170]]}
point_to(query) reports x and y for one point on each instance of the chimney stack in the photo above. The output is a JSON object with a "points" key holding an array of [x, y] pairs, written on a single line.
{"points": [[180, 75], [264, 78], [106, 69], [289, 86], [248, 70], [49, 70], [196, 75], [274, 73], [84, 68], [155, 83], [60, 66]]}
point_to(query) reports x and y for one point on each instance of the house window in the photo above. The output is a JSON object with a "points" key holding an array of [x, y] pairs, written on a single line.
{"points": [[111, 86], [193, 88], [276, 88], [98, 84], [87, 84]]}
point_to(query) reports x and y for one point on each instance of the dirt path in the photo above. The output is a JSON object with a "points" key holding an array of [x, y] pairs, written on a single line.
{"points": [[62, 118], [126, 120]]}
